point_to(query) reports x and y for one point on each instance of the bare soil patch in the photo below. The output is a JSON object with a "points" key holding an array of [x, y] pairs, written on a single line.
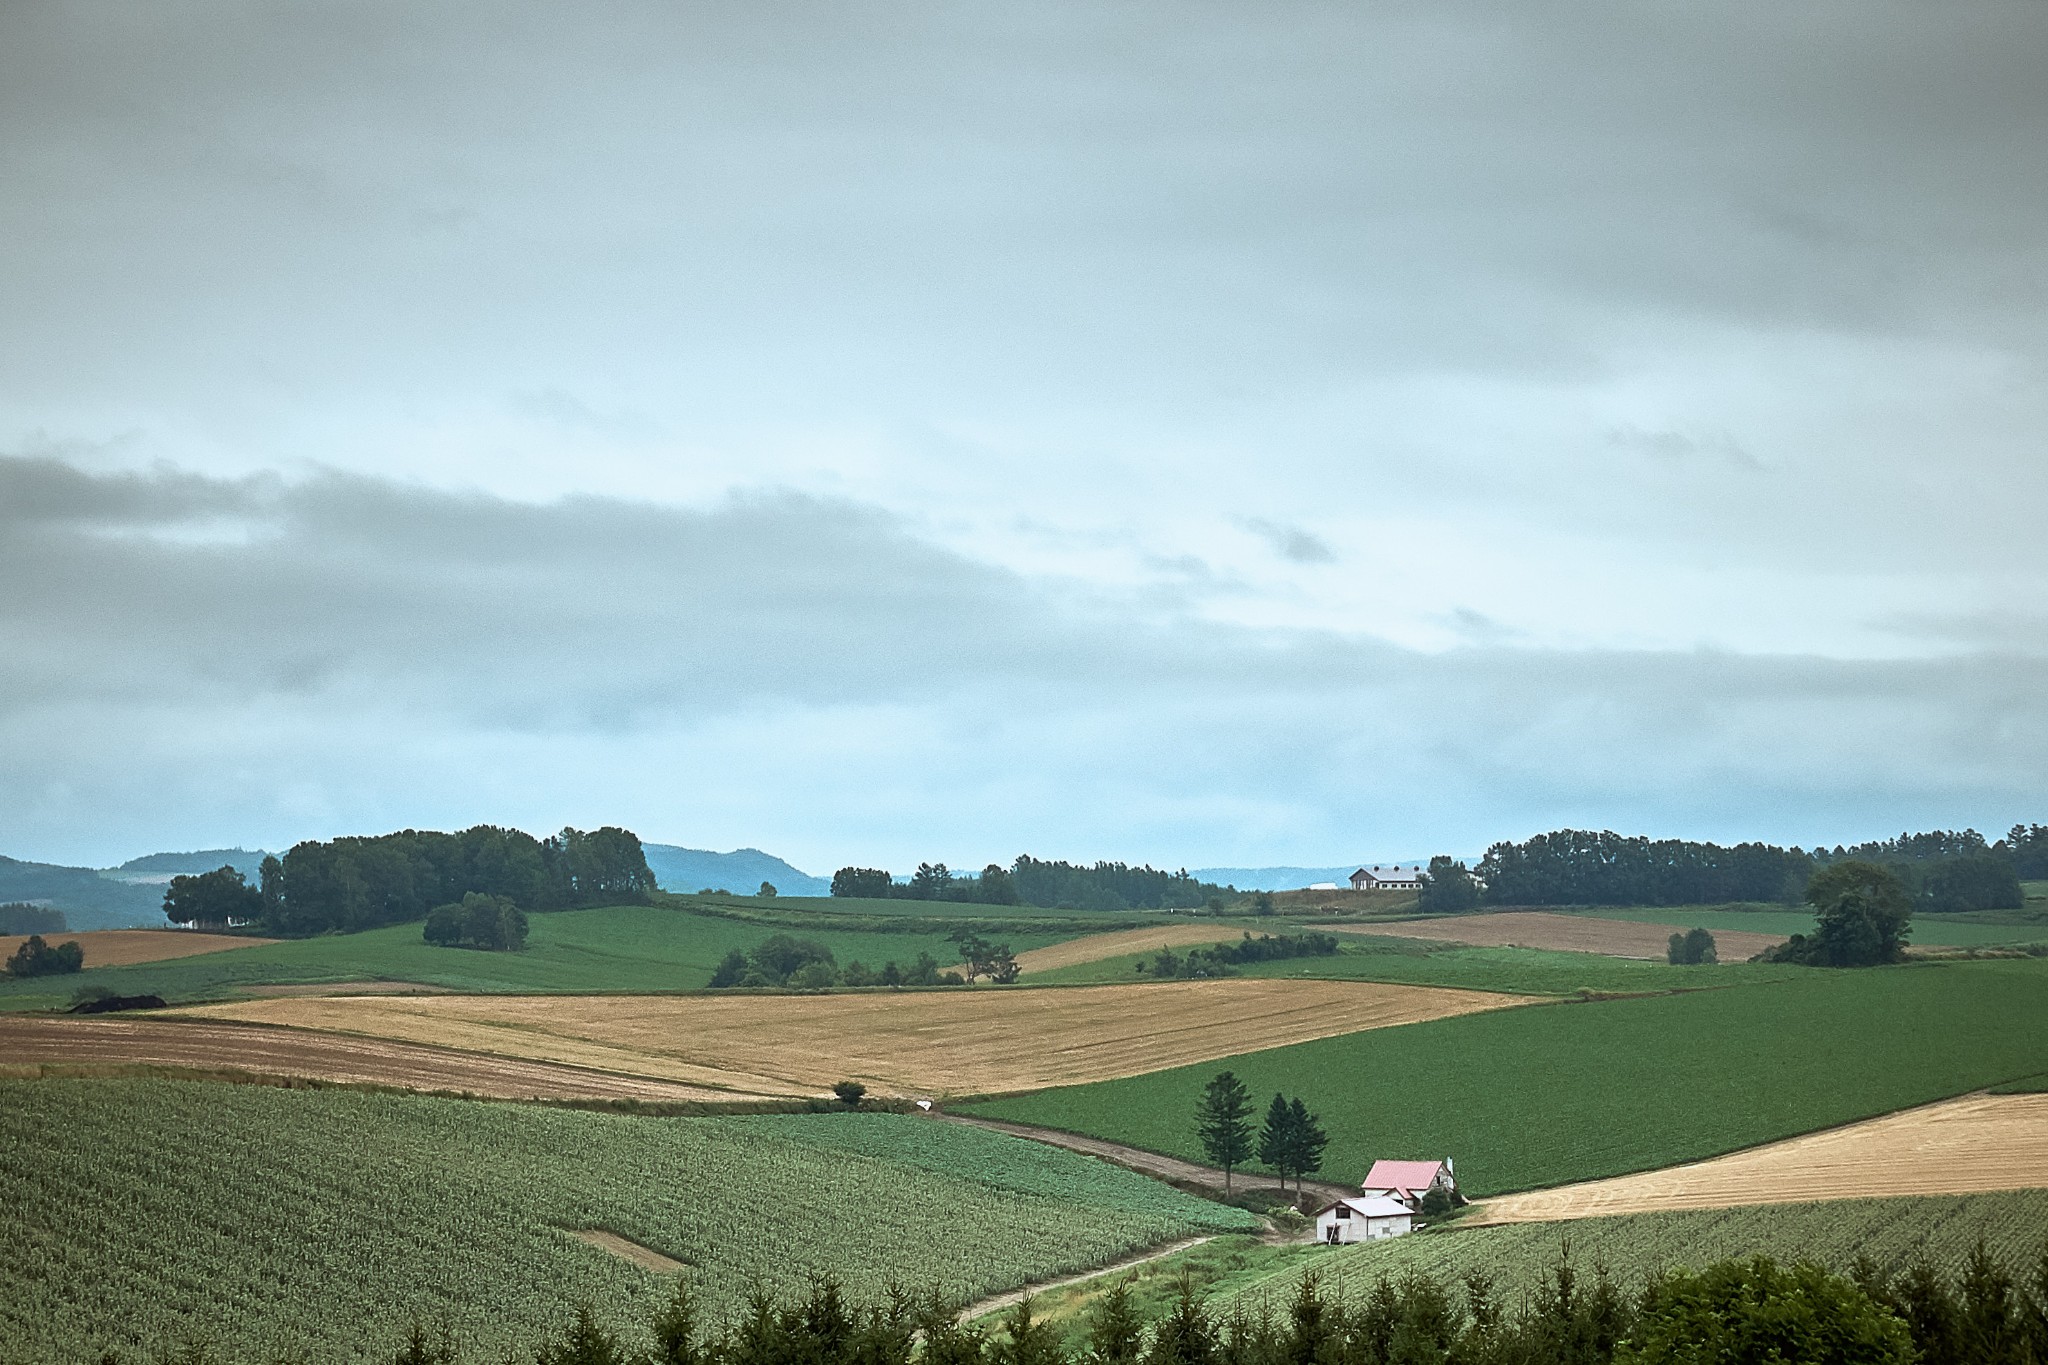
{"points": [[1095, 947], [647, 1258], [946, 1042], [1971, 1145], [1562, 933], [126, 947], [31, 1040]]}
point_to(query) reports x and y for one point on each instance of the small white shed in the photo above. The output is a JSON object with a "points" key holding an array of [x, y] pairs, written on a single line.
{"points": [[1363, 1219]]}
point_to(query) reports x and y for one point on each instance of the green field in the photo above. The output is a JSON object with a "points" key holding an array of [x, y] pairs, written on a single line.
{"points": [[1938, 1229], [1521, 971], [1552, 1093], [1932, 931], [148, 1214], [950, 912], [623, 948]]}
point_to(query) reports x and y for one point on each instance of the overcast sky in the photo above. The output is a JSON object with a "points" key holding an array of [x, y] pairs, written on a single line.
{"points": [[1194, 433]]}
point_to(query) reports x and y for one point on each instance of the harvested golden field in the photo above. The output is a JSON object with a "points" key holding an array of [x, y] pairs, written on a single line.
{"points": [[1095, 947], [1561, 933], [125, 947], [1972, 1145], [947, 1042], [31, 1042]]}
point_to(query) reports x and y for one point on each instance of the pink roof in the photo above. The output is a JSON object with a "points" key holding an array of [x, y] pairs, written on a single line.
{"points": [[1402, 1175]]}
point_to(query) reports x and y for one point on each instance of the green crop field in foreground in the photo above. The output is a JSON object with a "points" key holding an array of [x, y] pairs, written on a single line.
{"points": [[1939, 1229], [1552, 1093], [623, 948], [147, 1213]]}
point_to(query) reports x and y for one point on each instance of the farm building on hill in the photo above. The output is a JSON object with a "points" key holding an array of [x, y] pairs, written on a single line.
{"points": [[1396, 877], [1362, 1219], [1408, 1181]]}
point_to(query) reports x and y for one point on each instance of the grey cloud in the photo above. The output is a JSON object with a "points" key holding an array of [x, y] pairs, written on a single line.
{"points": [[1716, 447], [1292, 542], [815, 665]]}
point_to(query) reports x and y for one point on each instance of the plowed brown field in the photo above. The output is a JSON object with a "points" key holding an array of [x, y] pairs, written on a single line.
{"points": [[125, 947], [1095, 947], [926, 1042], [1966, 1146], [1562, 933], [29, 1041]]}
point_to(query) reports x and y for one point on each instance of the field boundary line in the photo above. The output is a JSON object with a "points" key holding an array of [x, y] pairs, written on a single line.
{"points": [[995, 1303]]}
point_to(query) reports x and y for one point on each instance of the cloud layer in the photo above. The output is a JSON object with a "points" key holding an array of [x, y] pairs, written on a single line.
{"points": [[1199, 432]]}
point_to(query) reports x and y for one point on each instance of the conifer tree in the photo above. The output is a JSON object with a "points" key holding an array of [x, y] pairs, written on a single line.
{"points": [[1223, 1122]]}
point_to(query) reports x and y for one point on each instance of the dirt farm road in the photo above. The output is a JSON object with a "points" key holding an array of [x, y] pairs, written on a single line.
{"points": [[1159, 1167]]}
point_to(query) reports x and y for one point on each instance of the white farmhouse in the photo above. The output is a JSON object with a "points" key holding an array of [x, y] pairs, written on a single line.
{"points": [[1393, 877], [1363, 1218]]}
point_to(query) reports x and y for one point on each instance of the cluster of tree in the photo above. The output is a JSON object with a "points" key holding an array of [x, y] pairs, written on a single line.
{"points": [[492, 923], [931, 882], [1030, 881], [37, 958], [803, 964], [344, 885], [1219, 959], [1290, 1142], [1944, 871], [1448, 888], [19, 917], [1693, 948], [1753, 1309], [1862, 918]]}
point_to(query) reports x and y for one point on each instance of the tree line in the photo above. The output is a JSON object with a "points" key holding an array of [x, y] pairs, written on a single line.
{"points": [[1743, 1310], [792, 963], [20, 917], [350, 884], [1034, 881], [1222, 959], [1943, 871]]}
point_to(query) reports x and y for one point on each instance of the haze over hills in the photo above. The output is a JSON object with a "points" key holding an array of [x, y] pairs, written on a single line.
{"points": [[1289, 878], [741, 871]]}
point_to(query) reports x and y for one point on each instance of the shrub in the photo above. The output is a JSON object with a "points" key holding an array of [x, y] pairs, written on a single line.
{"points": [[37, 958], [491, 923], [1692, 948], [1757, 1310]]}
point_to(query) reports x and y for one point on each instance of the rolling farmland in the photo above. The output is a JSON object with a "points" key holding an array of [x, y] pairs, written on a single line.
{"points": [[1941, 1229], [620, 948], [126, 947], [942, 1042], [159, 1213], [1568, 1092], [1971, 1145], [1095, 947], [1563, 933]]}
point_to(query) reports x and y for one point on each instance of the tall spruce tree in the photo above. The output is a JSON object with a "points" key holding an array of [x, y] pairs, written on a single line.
{"points": [[1306, 1140], [1275, 1149], [1223, 1122]]}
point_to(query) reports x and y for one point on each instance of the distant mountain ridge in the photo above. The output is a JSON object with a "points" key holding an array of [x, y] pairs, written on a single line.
{"points": [[158, 868], [87, 899], [741, 871]]}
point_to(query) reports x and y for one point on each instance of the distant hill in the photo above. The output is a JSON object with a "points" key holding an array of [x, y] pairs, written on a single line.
{"points": [[741, 872], [88, 900], [1277, 878], [158, 868]]}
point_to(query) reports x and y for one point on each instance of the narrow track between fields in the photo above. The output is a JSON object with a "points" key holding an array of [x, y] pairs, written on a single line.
{"points": [[998, 1302], [1155, 1164]]}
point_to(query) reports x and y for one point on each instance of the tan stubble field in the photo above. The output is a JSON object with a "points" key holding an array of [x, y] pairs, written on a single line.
{"points": [[1972, 1145], [936, 1043]]}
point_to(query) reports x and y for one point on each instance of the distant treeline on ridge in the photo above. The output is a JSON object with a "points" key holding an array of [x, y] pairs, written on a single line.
{"points": [[1031, 881], [344, 885], [1945, 870]]}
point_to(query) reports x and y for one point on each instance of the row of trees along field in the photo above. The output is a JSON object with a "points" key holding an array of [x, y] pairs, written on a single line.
{"points": [[1737, 1310], [1944, 871], [1033, 881], [350, 884], [784, 960]]}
